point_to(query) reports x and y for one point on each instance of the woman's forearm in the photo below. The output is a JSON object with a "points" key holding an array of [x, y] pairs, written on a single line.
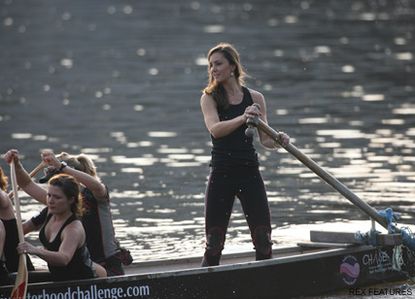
{"points": [[92, 183], [23, 177], [54, 258], [224, 128]]}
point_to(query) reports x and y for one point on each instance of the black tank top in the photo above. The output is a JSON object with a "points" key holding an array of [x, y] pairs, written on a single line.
{"points": [[97, 222], [235, 149], [80, 267]]}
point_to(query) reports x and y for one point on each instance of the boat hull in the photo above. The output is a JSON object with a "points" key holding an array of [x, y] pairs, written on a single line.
{"points": [[307, 273]]}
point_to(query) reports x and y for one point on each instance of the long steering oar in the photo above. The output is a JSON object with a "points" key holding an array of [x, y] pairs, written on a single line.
{"points": [[327, 177], [20, 285]]}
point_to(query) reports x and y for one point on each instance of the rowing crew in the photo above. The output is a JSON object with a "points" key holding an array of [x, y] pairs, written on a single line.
{"points": [[75, 228]]}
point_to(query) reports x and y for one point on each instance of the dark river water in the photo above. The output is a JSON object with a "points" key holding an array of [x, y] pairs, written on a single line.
{"points": [[121, 81]]}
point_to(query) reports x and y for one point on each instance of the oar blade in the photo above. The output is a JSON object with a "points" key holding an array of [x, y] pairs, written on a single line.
{"points": [[20, 285]]}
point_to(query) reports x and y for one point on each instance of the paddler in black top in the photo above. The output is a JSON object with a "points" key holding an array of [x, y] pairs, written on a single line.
{"points": [[62, 235], [97, 217], [226, 105]]}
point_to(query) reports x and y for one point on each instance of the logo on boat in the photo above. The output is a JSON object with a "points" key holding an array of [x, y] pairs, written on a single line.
{"points": [[349, 269], [380, 261]]}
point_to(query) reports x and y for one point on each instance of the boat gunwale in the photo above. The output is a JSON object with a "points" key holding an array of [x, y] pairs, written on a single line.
{"points": [[302, 255]]}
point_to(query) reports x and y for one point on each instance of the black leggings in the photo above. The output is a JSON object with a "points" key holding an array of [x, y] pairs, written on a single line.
{"points": [[224, 184]]}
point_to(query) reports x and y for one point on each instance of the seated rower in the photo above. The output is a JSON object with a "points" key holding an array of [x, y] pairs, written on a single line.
{"points": [[97, 217], [62, 234]]}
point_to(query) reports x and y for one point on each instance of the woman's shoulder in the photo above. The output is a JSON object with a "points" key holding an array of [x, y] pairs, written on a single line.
{"points": [[4, 199], [256, 95], [207, 102], [206, 97], [3, 195], [101, 196], [6, 207], [74, 231], [74, 227]]}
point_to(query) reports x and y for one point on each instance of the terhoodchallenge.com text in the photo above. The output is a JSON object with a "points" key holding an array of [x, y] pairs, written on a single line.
{"points": [[93, 292]]}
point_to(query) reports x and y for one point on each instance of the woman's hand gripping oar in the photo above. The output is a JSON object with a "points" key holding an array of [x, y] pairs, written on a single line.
{"points": [[20, 285], [313, 166]]}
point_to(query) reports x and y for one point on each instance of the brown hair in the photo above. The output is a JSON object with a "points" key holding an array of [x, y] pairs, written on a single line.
{"points": [[70, 187], [217, 91], [3, 180]]}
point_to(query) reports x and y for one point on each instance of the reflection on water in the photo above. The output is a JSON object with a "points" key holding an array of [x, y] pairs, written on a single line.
{"points": [[122, 84]]}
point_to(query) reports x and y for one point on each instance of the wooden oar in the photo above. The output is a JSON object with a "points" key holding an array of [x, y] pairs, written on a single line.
{"points": [[38, 168], [20, 285], [327, 177]]}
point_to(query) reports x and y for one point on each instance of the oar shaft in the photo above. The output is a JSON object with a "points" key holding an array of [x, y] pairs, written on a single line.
{"points": [[17, 202], [327, 177], [20, 285]]}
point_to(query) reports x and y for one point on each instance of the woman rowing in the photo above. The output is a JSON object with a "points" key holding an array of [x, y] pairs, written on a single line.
{"points": [[62, 234], [97, 218]]}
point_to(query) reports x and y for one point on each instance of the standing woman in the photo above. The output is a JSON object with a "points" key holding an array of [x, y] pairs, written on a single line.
{"points": [[226, 105], [62, 234]]}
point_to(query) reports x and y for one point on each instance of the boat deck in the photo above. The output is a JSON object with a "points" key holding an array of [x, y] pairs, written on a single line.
{"points": [[157, 266]]}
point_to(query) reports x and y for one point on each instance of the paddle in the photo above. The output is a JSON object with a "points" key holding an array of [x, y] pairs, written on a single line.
{"points": [[327, 177], [38, 168], [20, 285]]}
